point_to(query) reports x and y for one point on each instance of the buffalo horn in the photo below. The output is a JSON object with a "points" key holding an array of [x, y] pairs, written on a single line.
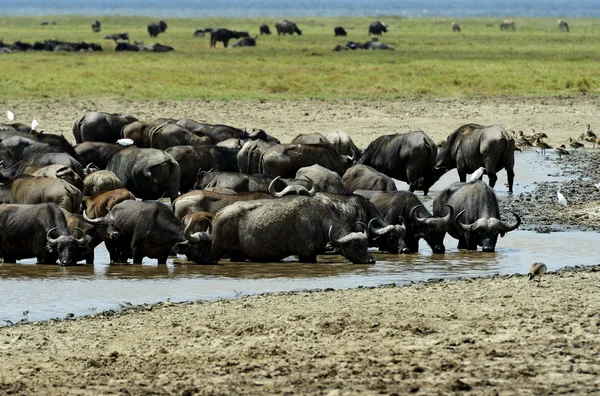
{"points": [[419, 220], [372, 229], [51, 240], [332, 239], [512, 225], [272, 190], [62, 171], [80, 241], [93, 221], [89, 167], [465, 227], [188, 235], [312, 190], [448, 218]]}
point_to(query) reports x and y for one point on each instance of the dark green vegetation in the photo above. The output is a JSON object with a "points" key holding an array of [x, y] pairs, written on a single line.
{"points": [[429, 60]]}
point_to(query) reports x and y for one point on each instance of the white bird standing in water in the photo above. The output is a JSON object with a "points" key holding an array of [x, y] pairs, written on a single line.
{"points": [[34, 124], [10, 115], [561, 198], [477, 174]]}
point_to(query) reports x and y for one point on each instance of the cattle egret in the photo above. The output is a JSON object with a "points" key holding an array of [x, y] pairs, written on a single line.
{"points": [[34, 124], [10, 115], [125, 142], [561, 198], [477, 174], [537, 270]]}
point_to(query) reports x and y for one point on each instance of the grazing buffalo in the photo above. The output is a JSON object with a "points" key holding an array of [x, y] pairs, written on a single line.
{"points": [[246, 42], [312, 138], [455, 27], [403, 207], [192, 159], [355, 211], [27, 189], [286, 27], [96, 26], [323, 179], [210, 201], [477, 222], [202, 32], [154, 29], [264, 29], [363, 177], [563, 25], [147, 173], [117, 36], [409, 157], [252, 230], [150, 229], [98, 205], [96, 231], [508, 24], [285, 159], [342, 143], [248, 158], [97, 153], [99, 182], [473, 146], [377, 28], [39, 231], [339, 31], [198, 222], [224, 35], [100, 127], [169, 134]]}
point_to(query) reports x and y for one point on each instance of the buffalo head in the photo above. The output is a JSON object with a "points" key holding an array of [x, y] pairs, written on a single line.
{"points": [[432, 229], [389, 238], [354, 246], [103, 226], [196, 247], [485, 231], [294, 189], [65, 246]]}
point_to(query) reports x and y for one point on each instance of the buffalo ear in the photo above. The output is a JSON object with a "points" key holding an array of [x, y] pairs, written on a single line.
{"points": [[180, 247]]}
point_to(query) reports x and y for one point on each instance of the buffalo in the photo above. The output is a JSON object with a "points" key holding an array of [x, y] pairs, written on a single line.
{"points": [[508, 24], [343, 144], [96, 26], [97, 153], [100, 127], [248, 157], [246, 42], [363, 177], [95, 230], [99, 204], [138, 132], [473, 146], [339, 31], [169, 134], [57, 172], [219, 133], [377, 28], [409, 157], [39, 231], [323, 179], [198, 222], [264, 29], [150, 229], [252, 230], [312, 138], [99, 182], [286, 27], [234, 181], [285, 159], [117, 36], [154, 29], [210, 201], [477, 222], [224, 35], [147, 173], [27, 189]]}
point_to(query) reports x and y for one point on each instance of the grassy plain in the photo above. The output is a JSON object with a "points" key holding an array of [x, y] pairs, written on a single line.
{"points": [[430, 60]]}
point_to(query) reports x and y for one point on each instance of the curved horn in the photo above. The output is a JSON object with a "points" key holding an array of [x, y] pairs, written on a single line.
{"points": [[51, 240], [311, 191], [63, 171], [464, 227], [81, 240], [372, 229], [92, 221], [332, 239], [512, 225], [89, 166], [419, 220], [450, 215], [187, 234], [271, 188]]}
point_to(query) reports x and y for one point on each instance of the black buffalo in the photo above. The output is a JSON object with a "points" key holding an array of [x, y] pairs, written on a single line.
{"points": [[343, 144], [154, 29], [252, 230], [236, 181], [340, 31], [473, 146], [264, 29], [118, 36], [323, 179], [409, 157], [95, 230], [477, 221], [169, 134], [312, 138], [248, 157], [150, 229], [96, 26], [99, 182], [285, 159], [224, 35], [363, 177], [39, 231], [219, 132], [246, 42], [377, 28], [286, 27], [97, 153], [100, 127], [210, 201]]}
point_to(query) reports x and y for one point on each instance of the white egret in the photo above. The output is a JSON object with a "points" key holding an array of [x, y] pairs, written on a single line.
{"points": [[125, 142], [561, 198], [537, 270], [34, 124], [477, 174], [10, 115]]}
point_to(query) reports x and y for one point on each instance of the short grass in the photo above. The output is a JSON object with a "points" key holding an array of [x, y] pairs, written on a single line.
{"points": [[429, 60]]}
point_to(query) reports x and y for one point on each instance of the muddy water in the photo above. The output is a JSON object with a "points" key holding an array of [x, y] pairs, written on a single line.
{"points": [[48, 291]]}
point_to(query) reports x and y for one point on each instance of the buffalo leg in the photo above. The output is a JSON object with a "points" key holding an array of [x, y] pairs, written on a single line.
{"points": [[138, 255], [162, 259], [308, 259], [492, 177], [226, 43], [89, 258], [462, 244], [510, 175], [237, 257], [8, 259], [462, 175]]}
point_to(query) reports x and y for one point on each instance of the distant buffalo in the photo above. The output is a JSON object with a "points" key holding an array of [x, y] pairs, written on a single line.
{"points": [[377, 28], [286, 27], [340, 31], [224, 35], [118, 36], [508, 24], [246, 42], [264, 29], [154, 29], [202, 32], [96, 26], [455, 27]]}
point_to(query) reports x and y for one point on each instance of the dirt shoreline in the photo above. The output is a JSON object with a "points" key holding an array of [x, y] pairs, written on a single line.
{"points": [[495, 335]]}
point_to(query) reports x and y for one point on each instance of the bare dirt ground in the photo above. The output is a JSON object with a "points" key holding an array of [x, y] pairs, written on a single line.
{"points": [[363, 120], [499, 335]]}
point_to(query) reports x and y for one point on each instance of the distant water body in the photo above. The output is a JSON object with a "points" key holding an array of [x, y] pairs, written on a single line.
{"points": [[286, 8]]}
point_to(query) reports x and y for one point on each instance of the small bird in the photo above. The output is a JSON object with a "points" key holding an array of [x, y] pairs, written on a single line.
{"points": [[562, 150], [542, 145], [477, 174], [34, 124], [10, 115], [575, 144], [561, 198], [589, 132], [598, 186], [537, 270], [125, 142]]}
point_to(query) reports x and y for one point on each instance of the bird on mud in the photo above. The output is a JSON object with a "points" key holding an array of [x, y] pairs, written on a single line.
{"points": [[562, 150], [575, 144], [34, 124], [542, 145], [477, 174], [536, 271], [10, 115], [598, 186], [561, 198]]}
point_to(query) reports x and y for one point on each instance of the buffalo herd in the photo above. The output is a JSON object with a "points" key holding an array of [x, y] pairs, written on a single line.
{"points": [[240, 194]]}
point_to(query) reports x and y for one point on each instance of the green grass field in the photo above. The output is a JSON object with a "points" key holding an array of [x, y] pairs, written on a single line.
{"points": [[429, 60]]}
